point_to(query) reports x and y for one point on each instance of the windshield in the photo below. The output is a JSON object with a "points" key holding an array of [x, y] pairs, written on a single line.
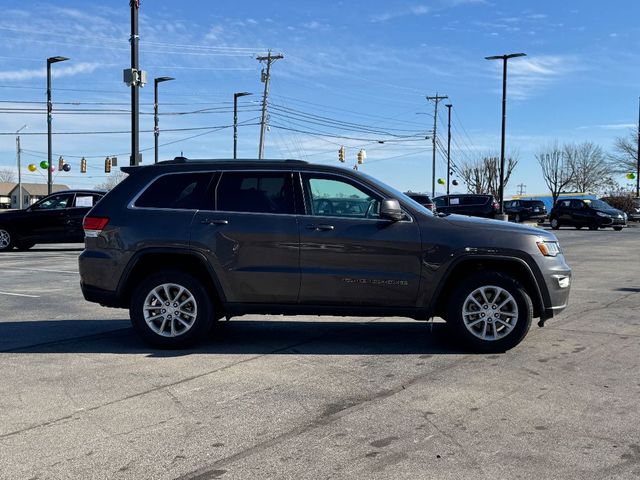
{"points": [[599, 205], [397, 194]]}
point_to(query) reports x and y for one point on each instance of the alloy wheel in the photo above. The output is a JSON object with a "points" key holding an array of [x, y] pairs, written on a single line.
{"points": [[490, 312], [170, 310], [5, 239]]}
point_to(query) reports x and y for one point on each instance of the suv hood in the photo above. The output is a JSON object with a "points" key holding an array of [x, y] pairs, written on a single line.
{"points": [[495, 225]]}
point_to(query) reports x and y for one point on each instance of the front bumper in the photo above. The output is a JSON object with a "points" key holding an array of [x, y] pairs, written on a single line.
{"points": [[557, 279]]}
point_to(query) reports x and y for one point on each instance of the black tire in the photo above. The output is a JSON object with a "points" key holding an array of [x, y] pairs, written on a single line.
{"points": [[593, 226], [578, 227], [24, 245], [517, 218], [617, 229], [168, 321], [555, 223], [7, 239], [505, 340]]}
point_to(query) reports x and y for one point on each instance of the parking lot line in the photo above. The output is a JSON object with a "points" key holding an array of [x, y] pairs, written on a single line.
{"points": [[47, 270], [19, 295]]}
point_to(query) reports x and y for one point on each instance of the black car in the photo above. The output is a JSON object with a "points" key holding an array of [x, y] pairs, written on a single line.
{"points": [[521, 210], [56, 218], [422, 199], [580, 213], [184, 243], [475, 205]]}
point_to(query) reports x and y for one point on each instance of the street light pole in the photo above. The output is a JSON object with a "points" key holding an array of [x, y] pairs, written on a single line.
{"points": [[235, 121], [638, 155], [19, 167], [50, 60], [156, 129], [504, 59], [448, 105]]}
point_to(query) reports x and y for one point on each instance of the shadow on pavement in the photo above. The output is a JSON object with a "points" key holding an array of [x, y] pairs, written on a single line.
{"points": [[235, 337]]}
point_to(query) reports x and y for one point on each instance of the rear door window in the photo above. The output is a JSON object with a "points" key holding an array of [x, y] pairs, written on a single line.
{"points": [[255, 192], [179, 191]]}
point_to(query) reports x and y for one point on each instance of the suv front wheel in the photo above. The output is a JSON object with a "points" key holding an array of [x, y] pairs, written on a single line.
{"points": [[490, 312], [171, 309]]}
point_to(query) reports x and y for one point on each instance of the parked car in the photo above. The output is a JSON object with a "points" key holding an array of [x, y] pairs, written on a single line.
{"points": [[580, 213], [475, 205], [422, 199], [183, 243], [56, 218], [628, 204], [521, 210]]}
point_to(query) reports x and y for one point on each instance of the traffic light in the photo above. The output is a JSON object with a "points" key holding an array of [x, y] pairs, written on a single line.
{"points": [[83, 165], [341, 154], [361, 156], [107, 165], [60, 163]]}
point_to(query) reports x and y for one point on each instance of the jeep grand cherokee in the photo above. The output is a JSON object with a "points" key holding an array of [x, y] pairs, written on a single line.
{"points": [[184, 243]]}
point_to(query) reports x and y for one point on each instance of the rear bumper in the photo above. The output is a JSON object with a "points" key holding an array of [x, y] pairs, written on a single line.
{"points": [[106, 298]]}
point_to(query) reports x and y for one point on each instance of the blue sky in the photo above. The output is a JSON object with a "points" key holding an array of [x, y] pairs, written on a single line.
{"points": [[365, 63]]}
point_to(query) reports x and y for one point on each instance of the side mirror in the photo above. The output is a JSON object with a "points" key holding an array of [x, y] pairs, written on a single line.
{"points": [[390, 210]]}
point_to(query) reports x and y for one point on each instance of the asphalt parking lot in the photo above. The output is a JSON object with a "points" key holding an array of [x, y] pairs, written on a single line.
{"points": [[318, 397]]}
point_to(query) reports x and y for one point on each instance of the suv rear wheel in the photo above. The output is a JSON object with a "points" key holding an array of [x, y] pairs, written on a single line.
{"points": [[490, 312], [171, 309], [555, 223]]}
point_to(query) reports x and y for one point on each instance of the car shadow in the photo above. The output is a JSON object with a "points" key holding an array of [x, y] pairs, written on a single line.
{"points": [[239, 337], [53, 249]]}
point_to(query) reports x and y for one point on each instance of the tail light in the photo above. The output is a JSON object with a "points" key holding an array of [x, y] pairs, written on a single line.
{"points": [[495, 205], [94, 225]]}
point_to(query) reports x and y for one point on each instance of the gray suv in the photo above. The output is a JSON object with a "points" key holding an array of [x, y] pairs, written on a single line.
{"points": [[184, 243]]}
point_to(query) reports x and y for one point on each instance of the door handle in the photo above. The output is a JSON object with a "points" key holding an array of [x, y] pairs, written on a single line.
{"points": [[320, 227], [207, 221]]}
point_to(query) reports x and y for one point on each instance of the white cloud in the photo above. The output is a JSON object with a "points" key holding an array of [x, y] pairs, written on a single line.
{"points": [[28, 74], [529, 75], [609, 126], [415, 10]]}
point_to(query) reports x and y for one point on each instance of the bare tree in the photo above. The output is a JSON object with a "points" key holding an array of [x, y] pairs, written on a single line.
{"points": [[111, 181], [7, 175], [624, 158], [590, 170], [483, 175], [556, 172]]}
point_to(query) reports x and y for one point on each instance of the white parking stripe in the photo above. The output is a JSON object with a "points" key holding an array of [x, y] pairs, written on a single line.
{"points": [[19, 294], [18, 269]]}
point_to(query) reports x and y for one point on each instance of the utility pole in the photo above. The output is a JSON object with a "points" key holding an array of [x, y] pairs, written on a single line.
{"points": [[265, 77], [522, 189], [135, 78], [448, 105], [50, 60], [156, 128], [435, 99], [19, 167], [235, 121]]}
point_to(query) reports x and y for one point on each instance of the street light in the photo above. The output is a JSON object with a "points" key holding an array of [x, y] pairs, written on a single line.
{"points": [[156, 129], [18, 160], [50, 60], [235, 121], [504, 59]]}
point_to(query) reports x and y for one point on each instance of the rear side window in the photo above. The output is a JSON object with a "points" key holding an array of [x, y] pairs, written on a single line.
{"points": [[188, 191], [255, 192]]}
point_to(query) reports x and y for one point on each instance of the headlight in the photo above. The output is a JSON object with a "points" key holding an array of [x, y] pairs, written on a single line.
{"points": [[549, 248], [602, 214]]}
